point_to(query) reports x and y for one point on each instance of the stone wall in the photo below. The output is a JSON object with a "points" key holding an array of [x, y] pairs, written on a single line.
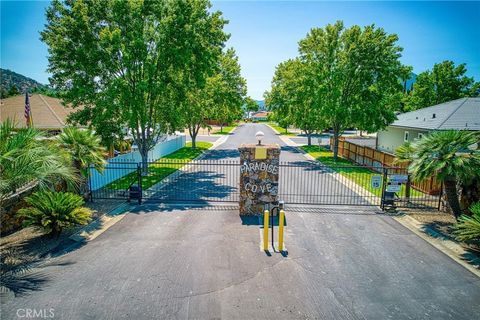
{"points": [[258, 177]]}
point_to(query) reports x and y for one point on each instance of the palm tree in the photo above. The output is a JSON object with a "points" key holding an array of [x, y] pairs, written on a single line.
{"points": [[446, 155], [27, 159], [468, 227], [85, 150], [54, 211]]}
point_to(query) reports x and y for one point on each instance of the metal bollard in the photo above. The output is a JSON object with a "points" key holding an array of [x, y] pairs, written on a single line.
{"points": [[265, 230], [281, 222]]}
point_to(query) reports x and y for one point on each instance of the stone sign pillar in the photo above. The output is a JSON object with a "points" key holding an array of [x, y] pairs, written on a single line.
{"points": [[258, 177]]}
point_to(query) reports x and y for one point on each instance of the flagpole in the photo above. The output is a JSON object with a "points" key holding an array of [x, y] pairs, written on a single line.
{"points": [[28, 111], [31, 114]]}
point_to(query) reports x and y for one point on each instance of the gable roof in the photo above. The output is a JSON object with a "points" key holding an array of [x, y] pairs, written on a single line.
{"points": [[460, 114], [261, 114], [47, 112]]}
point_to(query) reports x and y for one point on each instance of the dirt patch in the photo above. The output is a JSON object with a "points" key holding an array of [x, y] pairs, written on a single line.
{"points": [[442, 223], [31, 244]]}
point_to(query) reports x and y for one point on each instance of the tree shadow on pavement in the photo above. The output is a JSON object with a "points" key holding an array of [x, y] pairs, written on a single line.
{"points": [[290, 149], [221, 154], [21, 273], [192, 189]]}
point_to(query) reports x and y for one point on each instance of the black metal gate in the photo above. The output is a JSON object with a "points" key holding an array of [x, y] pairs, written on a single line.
{"points": [[169, 180], [302, 182], [311, 182]]}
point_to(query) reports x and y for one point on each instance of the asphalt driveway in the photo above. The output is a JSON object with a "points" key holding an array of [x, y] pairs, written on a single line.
{"points": [[177, 263]]}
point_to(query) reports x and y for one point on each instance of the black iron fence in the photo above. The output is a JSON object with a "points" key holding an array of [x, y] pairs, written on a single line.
{"points": [[311, 182], [169, 180], [302, 182]]}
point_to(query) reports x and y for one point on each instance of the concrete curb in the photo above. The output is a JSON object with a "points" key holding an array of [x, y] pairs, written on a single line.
{"points": [[100, 225], [439, 241]]}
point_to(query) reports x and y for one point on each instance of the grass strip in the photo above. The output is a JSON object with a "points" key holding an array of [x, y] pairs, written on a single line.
{"points": [[163, 167], [280, 130], [226, 130], [356, 173]]}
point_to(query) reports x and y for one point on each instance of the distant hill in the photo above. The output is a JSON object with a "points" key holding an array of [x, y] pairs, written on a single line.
{"points": [[10, 78], [13, 83]]}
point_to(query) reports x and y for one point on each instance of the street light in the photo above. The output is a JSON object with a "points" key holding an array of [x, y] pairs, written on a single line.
{"points": [[259, 135]]}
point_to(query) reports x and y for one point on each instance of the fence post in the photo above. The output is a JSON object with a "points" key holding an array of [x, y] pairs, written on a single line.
{"points": [[89, 175], [440, 197], [384, 185], [139, 174], [407, 188]]}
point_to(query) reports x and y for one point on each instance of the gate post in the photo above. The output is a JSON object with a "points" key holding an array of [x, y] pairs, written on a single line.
{"points": [[89, 175], [384, 186], [259, 169], [139, 175]]}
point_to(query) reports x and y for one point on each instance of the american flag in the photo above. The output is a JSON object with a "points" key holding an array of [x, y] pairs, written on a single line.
{"points": [[28, 112]]}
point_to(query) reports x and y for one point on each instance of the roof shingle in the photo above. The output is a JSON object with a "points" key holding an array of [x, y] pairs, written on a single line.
{"points": [[47, 112], [460, 114]]}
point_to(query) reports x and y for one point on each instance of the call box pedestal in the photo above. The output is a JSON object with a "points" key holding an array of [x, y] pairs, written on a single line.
{"points": [[259, 169]]}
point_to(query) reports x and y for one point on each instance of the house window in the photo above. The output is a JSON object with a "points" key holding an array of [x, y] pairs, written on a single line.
{"points": [[420, 135], [406, 136]]}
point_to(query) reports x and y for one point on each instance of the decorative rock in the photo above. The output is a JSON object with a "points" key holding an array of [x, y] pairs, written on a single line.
{"points": [[258, 177]]}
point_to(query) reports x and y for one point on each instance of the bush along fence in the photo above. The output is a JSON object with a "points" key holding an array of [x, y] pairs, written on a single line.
{"points": [[376, 159], [127, 163]]}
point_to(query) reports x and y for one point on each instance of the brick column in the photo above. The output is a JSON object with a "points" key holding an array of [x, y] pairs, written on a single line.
{"points": [[258, 177]]}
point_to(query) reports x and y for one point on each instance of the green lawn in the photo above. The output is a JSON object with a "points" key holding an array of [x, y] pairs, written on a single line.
{"points": [[226, 129], [162, 167], [358, 174], [280, 129]]}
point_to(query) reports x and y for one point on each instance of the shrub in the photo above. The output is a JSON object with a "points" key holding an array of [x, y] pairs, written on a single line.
{"points": [[54, 211], [468, 227]]}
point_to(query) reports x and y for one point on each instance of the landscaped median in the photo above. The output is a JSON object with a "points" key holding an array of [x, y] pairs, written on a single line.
{"points": [[163, 167], [280, 130], [362, 176], [225, 129]]}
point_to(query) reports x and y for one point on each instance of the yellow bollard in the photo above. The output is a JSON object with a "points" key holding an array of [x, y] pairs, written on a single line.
{"points": [[281, 221], [265, 230]]}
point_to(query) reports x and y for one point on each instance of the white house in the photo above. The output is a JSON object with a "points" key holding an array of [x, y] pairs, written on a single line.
{"points": [[460, 114]]}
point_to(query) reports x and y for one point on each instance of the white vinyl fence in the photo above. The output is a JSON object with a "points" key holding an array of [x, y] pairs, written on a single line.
{"points": [[127, 163]]}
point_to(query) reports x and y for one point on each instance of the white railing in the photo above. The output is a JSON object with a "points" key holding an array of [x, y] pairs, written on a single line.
{"points": [[127, 163]]}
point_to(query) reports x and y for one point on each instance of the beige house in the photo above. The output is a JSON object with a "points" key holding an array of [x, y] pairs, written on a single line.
{"points": [[47, 113], [460, 114], [261, 116]]}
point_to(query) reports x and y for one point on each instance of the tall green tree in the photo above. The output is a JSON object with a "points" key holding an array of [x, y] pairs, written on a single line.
{"points": [[221, 97], [228, 89], [444, 83], [135, 59], [354, 74], [291, 98], [446, 156], [250, 105]]}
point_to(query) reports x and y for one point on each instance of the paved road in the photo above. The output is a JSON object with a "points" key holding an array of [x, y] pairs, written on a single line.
{"points": [[216, 177], [342, 263]]}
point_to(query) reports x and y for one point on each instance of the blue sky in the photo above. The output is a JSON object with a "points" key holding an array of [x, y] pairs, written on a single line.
{"points": [[266, 33]]}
